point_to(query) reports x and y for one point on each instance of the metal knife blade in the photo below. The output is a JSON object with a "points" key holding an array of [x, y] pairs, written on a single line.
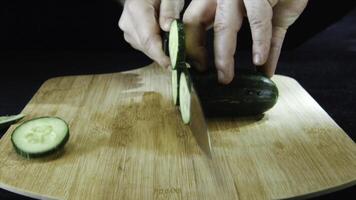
{"points": [[198, 124]]}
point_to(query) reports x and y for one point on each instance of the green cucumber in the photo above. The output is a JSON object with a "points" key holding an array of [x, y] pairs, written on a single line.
{"points": [[175, 85], [40, 137], [250, 93], [7, 121], [165, 45], [177, 44], [185, 88]]}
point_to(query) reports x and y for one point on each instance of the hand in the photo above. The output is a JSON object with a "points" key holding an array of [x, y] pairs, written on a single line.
{"points": [[269, 21], [141, 25]]}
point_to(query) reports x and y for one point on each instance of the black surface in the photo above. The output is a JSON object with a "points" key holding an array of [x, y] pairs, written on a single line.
{"points": [[324, 65], [92, 24]]}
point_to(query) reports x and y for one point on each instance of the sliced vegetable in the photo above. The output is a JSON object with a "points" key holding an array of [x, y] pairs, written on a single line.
{"points": [[185, 96], [40, 137], [177, 44], [175, 85], [7, 121]]}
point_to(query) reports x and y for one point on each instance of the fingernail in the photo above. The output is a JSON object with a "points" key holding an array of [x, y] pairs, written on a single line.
{"points": [[221, 76], [257, 59], [167, 24]]}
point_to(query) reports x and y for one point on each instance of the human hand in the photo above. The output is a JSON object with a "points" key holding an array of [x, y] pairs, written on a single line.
{"points": [[141, 25], [269, 21]]}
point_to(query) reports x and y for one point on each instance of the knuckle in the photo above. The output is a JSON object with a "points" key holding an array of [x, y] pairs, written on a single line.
{"points": [[272, 3], [121, 23], [261, 28], [126, 38], [220, 27], [258, 21], [204, 17], [190, 18], [147, 42], [130, 6]]}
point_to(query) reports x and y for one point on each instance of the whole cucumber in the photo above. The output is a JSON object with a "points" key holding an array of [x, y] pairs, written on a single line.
{"points": [[249, 93]]}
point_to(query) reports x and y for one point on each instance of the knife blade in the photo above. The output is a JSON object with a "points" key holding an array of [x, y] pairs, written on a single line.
{"points": [[198, 124]]}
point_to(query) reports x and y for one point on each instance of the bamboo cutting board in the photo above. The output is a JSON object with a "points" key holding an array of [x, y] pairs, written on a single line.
{"points": [[128, 142]]}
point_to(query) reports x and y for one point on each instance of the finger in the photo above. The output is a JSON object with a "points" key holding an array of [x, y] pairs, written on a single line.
{"points": [[151, 45], [128, 30], [259, 13], [147, 32], [122, 22], [131, 40], [278, 35], [197, 18], [169, 10], [284, 15], [228, 20]]}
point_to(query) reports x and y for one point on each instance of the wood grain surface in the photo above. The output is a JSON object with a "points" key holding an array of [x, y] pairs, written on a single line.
{"points": [[127, 141]]}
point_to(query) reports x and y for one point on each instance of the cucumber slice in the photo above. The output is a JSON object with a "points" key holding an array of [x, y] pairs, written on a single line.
{"points": [[177, 44], [40, 137], [185, 96], [6, 121], [175, 86]]}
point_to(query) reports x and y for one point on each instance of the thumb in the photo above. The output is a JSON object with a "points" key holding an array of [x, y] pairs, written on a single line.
{"points": [[169, 10]]}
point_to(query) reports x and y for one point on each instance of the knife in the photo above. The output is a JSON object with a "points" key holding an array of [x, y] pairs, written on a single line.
{"points": [[198, 124]]}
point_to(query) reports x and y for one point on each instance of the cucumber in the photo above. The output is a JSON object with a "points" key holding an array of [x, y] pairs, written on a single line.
{"points": [[250, 93], [175, 85], [7, 121], [165, 45], [185, 88], [40, 137], [177, 44]]}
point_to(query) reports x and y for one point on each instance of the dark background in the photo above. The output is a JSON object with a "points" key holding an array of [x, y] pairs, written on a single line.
{"points": [[62, 25], [42, 39]]}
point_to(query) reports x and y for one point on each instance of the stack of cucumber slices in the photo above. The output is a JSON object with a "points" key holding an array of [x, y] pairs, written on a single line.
{"points": [[37, 137], [181, 83], [249, 93]]}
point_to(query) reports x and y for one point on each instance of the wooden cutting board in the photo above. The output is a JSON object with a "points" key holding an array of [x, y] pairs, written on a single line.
{"points": [[128, 142]]}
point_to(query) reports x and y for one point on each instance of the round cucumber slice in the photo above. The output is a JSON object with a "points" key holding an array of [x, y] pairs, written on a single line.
{"points": [[176, 44], [185, 97], [40, 137]]}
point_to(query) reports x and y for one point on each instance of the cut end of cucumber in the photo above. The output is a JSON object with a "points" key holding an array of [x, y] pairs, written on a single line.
{"points": [[40, 137], [176, 44], [175, 86], [185, 98]]}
